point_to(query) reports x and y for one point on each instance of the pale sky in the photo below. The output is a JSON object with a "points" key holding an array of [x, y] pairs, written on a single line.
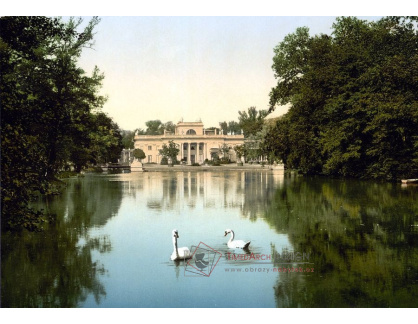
{"points": [[166, 66], [207, 68]]}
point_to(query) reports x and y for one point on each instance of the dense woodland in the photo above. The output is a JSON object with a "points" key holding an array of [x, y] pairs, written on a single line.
{"points": [[50, 111], [353, 97]]}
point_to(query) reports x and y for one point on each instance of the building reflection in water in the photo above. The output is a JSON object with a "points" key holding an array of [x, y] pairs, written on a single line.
{"points": [[224, 189]]}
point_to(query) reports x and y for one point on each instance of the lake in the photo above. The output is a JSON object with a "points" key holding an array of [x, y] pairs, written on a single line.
{"points": [[315, 242]]}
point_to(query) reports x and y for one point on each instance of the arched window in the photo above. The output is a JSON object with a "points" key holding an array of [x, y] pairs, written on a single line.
{"points": [[191, 132]]}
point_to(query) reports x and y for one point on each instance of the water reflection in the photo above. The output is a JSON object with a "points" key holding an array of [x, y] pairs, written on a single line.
{"points": [[362, 239], [111, 244], [249, 191], [56, 268]]}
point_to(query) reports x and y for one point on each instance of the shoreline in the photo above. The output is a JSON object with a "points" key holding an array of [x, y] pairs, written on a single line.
{"points": [[222, 167]]}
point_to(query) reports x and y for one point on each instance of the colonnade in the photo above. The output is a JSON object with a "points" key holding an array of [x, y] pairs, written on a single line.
{"points": [[194, 152]]}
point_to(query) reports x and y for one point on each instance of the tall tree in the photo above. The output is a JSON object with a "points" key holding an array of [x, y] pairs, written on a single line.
{"points": [[234, 128], [252, 121], [128, 139], [154, 127], [169, 127], [47, 102], [106, 139], [224, 127], [353, 99]]}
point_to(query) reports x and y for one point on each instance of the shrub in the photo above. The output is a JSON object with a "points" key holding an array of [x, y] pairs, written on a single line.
{"points": [[67, 174], [225, 161], [164, 160]]}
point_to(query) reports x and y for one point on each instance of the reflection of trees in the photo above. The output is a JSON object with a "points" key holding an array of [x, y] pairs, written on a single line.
{"points": [[48, 269], [51, 268], [88, 201], [259, 189], [362, 244]]}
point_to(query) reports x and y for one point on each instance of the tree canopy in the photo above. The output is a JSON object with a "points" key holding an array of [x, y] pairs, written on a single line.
{"points": [[139, 154], [252, 121], [170, 151], [353, 97], [49, 109], [157, 127]]}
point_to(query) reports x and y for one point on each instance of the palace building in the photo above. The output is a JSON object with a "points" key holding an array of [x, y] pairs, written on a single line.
{"points": [[196, 143]]}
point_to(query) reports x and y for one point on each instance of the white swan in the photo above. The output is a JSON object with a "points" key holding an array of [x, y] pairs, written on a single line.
{"points": [[179, 253], [238, 244]]}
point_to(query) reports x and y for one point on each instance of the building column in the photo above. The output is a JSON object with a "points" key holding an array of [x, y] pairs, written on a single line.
{"points": [[197, 152], [181, 151], [189, 153]]}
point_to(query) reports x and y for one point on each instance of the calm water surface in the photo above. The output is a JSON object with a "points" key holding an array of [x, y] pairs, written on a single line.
{"points": [[355, 242]]}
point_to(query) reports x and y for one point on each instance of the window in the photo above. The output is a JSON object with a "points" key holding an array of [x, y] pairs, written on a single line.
{"points": [[191, 132], [149, 147], [149, 158]]}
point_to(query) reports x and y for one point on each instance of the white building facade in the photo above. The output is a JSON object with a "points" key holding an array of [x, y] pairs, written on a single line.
{"points": [[196, 144]]}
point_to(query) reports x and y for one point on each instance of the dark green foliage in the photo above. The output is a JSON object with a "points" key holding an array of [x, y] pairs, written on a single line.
{"points": [[154, 127], [47, 111], [170, 151], [234, 128], [353, 99], [105, 141], [139, 154], [251, 122], [164, 161], [169, 127], [239, 151]]}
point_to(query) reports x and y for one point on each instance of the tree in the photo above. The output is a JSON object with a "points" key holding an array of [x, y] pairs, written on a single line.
{"points": [[170, 151], [214, 129], [252, 121], [169, 127], [106, 139], [224, 127], [239, 151], [47, 101], [154, 127], [251, 148], [139, 154], [353, 99], [234, 128], [128, 139], [289, 65], [224, 149]]}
